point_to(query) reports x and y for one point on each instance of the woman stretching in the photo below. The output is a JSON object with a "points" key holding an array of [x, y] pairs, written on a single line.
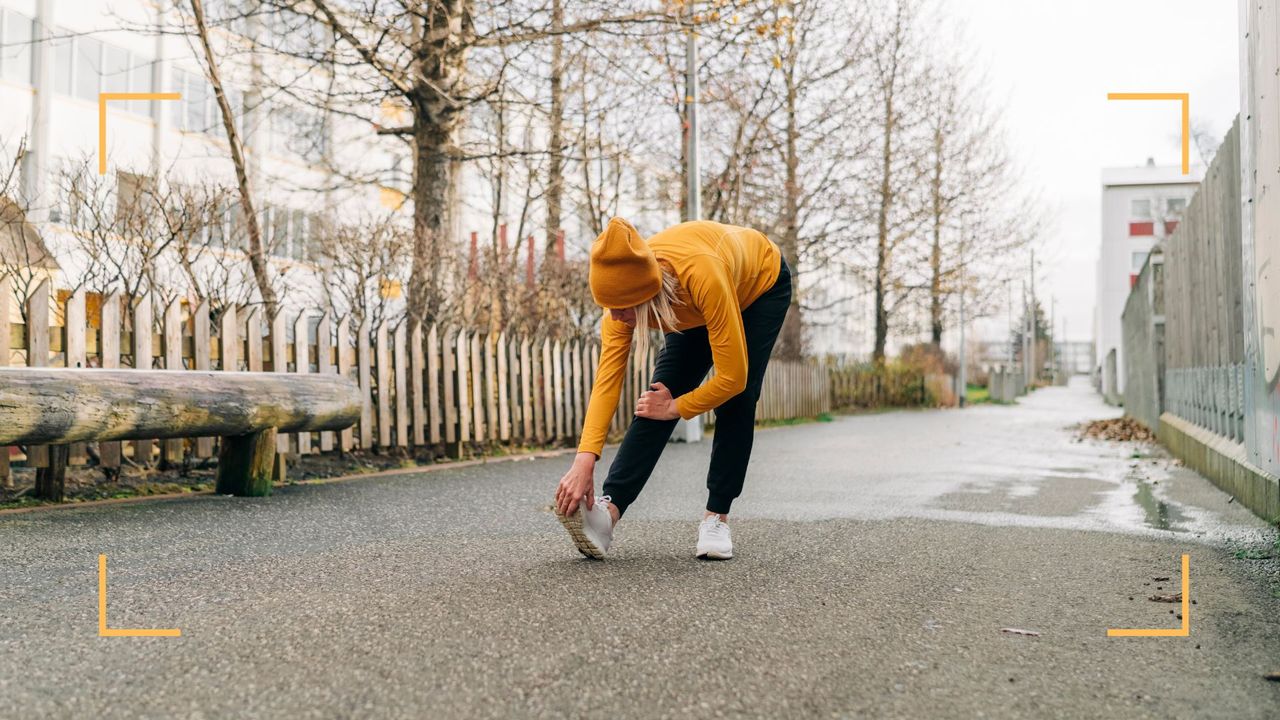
{"points": [[718, 293]]}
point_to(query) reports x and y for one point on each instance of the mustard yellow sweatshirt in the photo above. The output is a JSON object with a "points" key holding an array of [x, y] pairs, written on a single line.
{"points": [[722, 269]]}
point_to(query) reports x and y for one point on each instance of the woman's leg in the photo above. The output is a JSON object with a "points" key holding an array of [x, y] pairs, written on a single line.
{"points": [[682, 364], [736, 419]]}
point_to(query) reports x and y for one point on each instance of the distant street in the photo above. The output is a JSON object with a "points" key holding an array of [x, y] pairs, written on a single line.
{"points": [[878, 559]]}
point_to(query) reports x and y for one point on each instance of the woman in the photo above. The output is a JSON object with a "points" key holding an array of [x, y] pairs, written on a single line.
{"points": [[718, 293]]}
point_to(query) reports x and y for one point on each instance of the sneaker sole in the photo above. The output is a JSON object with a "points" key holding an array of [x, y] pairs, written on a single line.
{"points": [[715, 556], [573, 524]]}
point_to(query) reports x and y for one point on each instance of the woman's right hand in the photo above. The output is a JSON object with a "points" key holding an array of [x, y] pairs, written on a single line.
{"points": [[576, 484]]}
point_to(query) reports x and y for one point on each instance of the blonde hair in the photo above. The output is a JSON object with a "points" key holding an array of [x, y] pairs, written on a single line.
{"points": [[658, 313]]}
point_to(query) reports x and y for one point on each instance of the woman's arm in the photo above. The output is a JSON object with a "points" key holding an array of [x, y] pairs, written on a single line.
{"points": [[579, 482]]}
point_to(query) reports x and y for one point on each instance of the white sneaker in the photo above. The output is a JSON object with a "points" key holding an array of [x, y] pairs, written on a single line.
{"points": [[714, 541], [591, 530]]}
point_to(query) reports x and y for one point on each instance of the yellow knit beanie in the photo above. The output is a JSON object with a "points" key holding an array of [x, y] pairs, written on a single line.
{"points": [[624, 272]]}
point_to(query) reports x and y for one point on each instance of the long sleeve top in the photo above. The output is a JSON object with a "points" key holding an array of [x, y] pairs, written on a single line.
{"points": [[721, 270]]}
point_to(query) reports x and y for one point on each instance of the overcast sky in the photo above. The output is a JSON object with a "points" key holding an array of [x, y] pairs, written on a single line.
{"points": [[1050, 66]]}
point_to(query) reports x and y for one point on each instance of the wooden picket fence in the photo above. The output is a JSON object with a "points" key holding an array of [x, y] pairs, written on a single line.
{"points": [[438, 390]]}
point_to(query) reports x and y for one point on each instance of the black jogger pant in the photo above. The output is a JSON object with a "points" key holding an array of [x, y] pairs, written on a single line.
{"points": [[683, 363]]}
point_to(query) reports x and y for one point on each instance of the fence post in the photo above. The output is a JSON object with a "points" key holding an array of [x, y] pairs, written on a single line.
{"points": [[109, 358], [504, 398], [382, 362], [325, 366], [434, 415], [400, 349], [74, 324], [302, 366], [50, 462], [346, 438], [142, 349], [279, 364], [200, 336], [416, 372], [364, 368]]}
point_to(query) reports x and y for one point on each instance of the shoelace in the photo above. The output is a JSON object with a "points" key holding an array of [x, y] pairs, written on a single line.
{"points": [[714, 525]]}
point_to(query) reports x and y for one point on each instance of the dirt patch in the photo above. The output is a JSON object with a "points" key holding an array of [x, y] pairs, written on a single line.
{"points": [[1121, 429]]}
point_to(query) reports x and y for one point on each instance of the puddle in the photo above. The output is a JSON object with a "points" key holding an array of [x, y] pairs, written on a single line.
{"points": [[1158, 513]]}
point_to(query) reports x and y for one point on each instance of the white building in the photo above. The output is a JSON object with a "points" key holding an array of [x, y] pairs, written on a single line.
{"points": [[57, 56], [1140, 206]]}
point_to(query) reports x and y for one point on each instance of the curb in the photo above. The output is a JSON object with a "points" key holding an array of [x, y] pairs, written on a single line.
{"points": [[165, 497]]}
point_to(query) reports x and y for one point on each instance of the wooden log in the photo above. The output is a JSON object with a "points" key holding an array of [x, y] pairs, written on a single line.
{"points": [[302, 366], [74, 324], [38, 353], [364, 373], [247, 464], [110, 453], [346, 438], [51, 479], [66, 405], [325, 366]]}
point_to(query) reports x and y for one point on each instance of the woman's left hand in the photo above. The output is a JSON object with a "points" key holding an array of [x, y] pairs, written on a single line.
{"points": [[657, 404]]}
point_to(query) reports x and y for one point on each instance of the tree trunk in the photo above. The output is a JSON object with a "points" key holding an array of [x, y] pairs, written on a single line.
{"points": [[935, 252], [256, 249], [882, 231], [432, 182], [791, 338], [555, 132]]}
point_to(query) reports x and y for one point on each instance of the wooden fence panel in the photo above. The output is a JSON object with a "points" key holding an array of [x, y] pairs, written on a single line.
{"points": [[142, 353], [382, 362], [302, 366], [279, 364], [401, 350], [462, 370], [201, 337], [434, 414], [477, 394], [364, 374], [346, 438], [109, 453], [417, 371], [325, 366]]}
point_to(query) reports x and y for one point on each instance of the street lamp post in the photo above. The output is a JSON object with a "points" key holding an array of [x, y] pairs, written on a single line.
{"points": [[691, 430]]}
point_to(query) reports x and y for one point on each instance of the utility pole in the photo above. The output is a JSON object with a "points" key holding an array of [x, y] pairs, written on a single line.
{"points": [[1035, 366], [1008, 288], [691, 430], [963, 382]]}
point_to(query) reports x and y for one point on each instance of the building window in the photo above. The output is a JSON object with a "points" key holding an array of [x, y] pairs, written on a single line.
{"points": [[1142, 229], [84, 67], [1138, 260], [88, 68], [1140, 208], [1175, 206], [15, 50]]}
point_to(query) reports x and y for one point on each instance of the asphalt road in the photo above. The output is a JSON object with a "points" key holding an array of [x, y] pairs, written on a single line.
{"points": [[878, 559]]}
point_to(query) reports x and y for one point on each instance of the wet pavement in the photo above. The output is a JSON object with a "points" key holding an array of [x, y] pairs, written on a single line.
{"points": [[878, 559]]}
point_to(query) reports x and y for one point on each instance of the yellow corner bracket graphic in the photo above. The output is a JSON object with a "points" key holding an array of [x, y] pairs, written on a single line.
{"points": [[1183, 631], [103, 99], [1185, 99], [103, 630]]}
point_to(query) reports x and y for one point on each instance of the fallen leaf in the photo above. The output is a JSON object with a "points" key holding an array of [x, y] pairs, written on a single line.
{"points": [[1161, 579], [1176, 597], [1273, 677], [1019, 631]]}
